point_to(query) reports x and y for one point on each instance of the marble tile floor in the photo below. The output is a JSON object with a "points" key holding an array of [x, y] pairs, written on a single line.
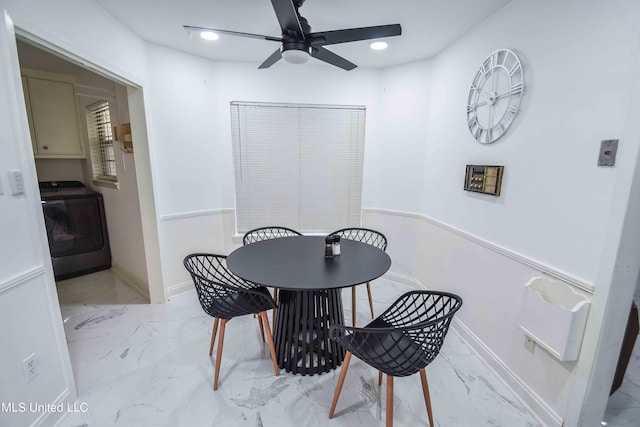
{"points": [[137, 365]]}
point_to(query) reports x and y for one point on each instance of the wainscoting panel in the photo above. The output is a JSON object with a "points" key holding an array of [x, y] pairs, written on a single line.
{"points": [[27, 314], [491, 280], [181, 234]]}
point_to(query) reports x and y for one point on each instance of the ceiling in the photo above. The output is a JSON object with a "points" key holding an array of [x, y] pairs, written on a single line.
{"points": [[428, 26]]}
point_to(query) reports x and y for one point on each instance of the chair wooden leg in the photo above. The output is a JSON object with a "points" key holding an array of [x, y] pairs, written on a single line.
{"points": [[273, 312], [343, 374], [219, 354], [427, 396], [213, 335], [379, 377], [389, 400], [370, 299], [261, 327], [272, 347], [353, 306]]}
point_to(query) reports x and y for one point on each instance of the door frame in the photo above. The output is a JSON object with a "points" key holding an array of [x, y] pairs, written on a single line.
{"points": [[142, 158]]}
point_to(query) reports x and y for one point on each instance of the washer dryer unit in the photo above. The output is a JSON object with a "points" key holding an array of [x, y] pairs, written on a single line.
{"points": [[76, 228]]}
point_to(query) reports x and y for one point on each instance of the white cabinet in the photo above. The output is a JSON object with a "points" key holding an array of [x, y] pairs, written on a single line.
{"points": [[52, 115]]}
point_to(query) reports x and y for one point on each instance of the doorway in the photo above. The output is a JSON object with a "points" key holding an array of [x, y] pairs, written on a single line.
{"points": [[129, 201]]}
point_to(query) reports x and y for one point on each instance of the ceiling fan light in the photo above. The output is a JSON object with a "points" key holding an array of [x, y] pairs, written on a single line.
{"points": [[379, 45], [209, 35], [295, 56]]}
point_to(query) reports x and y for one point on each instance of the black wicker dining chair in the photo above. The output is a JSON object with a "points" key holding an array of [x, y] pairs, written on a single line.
{"points": [[371, 237], [400, 342], [223, 295], [267, 233]]}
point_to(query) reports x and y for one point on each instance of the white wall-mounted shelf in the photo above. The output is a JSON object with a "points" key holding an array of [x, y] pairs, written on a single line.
{"points": [[554, 315]]}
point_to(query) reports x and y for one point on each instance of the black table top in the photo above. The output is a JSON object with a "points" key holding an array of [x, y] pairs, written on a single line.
{"points": [[298, 263]]}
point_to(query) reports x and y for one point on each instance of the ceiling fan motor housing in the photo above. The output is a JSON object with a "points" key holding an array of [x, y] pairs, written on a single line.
{"points": [[295, 52]]}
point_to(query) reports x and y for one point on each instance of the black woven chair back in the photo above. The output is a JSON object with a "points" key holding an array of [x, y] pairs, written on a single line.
{"points": [[366, 235], [222, 294], [406, 337], [267, 233]]}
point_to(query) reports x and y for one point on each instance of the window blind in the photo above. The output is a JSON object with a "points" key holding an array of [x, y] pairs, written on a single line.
{"points": [[298, 166], [103, 159]]}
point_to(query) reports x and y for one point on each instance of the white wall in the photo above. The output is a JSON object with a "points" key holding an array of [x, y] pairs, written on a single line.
{"points": [[191, 115], [557, 207], [122, 205], [115, 47], [28, 299], [574, 99], [29, 312]]}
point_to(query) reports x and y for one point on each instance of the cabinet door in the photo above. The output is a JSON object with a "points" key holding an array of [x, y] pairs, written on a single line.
{"points": [[54, 118], [27, 103]]}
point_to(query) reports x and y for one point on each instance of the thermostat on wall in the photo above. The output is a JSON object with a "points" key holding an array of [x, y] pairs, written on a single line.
{"points": [[484, 179]]}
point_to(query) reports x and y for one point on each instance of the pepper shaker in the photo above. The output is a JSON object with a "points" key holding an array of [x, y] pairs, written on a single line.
{"points": [[328, 247]]}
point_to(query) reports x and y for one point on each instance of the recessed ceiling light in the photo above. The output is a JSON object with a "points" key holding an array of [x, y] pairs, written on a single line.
{"points": [[379, 45], [208, 35]]}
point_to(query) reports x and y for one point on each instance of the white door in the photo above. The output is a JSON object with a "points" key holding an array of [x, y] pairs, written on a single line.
{"points": [[30, 320]]}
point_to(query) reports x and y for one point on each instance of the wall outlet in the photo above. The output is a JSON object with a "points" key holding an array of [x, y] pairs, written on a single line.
{"points": [[16, 182], [30, 367], [529, 343]]}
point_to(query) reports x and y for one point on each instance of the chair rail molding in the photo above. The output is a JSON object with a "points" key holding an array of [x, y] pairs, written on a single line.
{"points": [[523, 259], [193, 214], [21, 278]]}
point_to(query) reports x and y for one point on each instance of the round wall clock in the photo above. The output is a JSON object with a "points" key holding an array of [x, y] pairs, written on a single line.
{"points": [[494, 97]]}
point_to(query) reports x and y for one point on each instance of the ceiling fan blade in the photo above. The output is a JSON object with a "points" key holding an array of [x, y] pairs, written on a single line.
{"points": [[232, 33], [331, 58], [325, 38], [272, 59], [288, 18]]}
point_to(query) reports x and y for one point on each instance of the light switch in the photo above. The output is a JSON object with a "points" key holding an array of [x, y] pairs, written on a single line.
{"points": [[608, 149]]}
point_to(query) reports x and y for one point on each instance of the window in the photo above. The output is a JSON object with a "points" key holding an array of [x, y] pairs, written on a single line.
{"points": [[298, 166], [103, 159]]}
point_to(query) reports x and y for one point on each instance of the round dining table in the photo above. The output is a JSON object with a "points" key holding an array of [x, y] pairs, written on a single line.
{"points": [[309, 297]]}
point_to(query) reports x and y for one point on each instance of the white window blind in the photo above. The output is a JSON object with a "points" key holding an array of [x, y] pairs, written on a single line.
{"points": [[103, 158], [298, 166]]}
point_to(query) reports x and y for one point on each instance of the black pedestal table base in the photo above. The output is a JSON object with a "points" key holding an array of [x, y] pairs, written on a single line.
{"points": [[301, 331]]}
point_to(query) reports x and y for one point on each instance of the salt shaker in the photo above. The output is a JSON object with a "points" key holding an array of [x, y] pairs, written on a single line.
{"points": [[328, 247], [336, 245]]}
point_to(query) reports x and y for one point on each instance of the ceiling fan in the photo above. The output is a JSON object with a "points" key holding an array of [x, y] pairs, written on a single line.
{"points": [[298, 43]]}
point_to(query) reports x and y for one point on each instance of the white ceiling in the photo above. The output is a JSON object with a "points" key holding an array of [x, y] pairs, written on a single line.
{"points": [[428, 26]]}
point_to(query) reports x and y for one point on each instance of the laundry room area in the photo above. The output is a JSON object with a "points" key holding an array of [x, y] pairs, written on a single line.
{"points": [[84, 158]]}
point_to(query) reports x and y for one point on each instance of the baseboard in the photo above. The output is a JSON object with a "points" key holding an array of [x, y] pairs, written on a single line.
{"points": [[537, 407], [131, 279], [179, 289], [401, 279]]}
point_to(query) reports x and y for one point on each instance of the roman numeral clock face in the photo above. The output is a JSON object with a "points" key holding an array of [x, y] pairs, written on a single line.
{"points": [[494, 97]]}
